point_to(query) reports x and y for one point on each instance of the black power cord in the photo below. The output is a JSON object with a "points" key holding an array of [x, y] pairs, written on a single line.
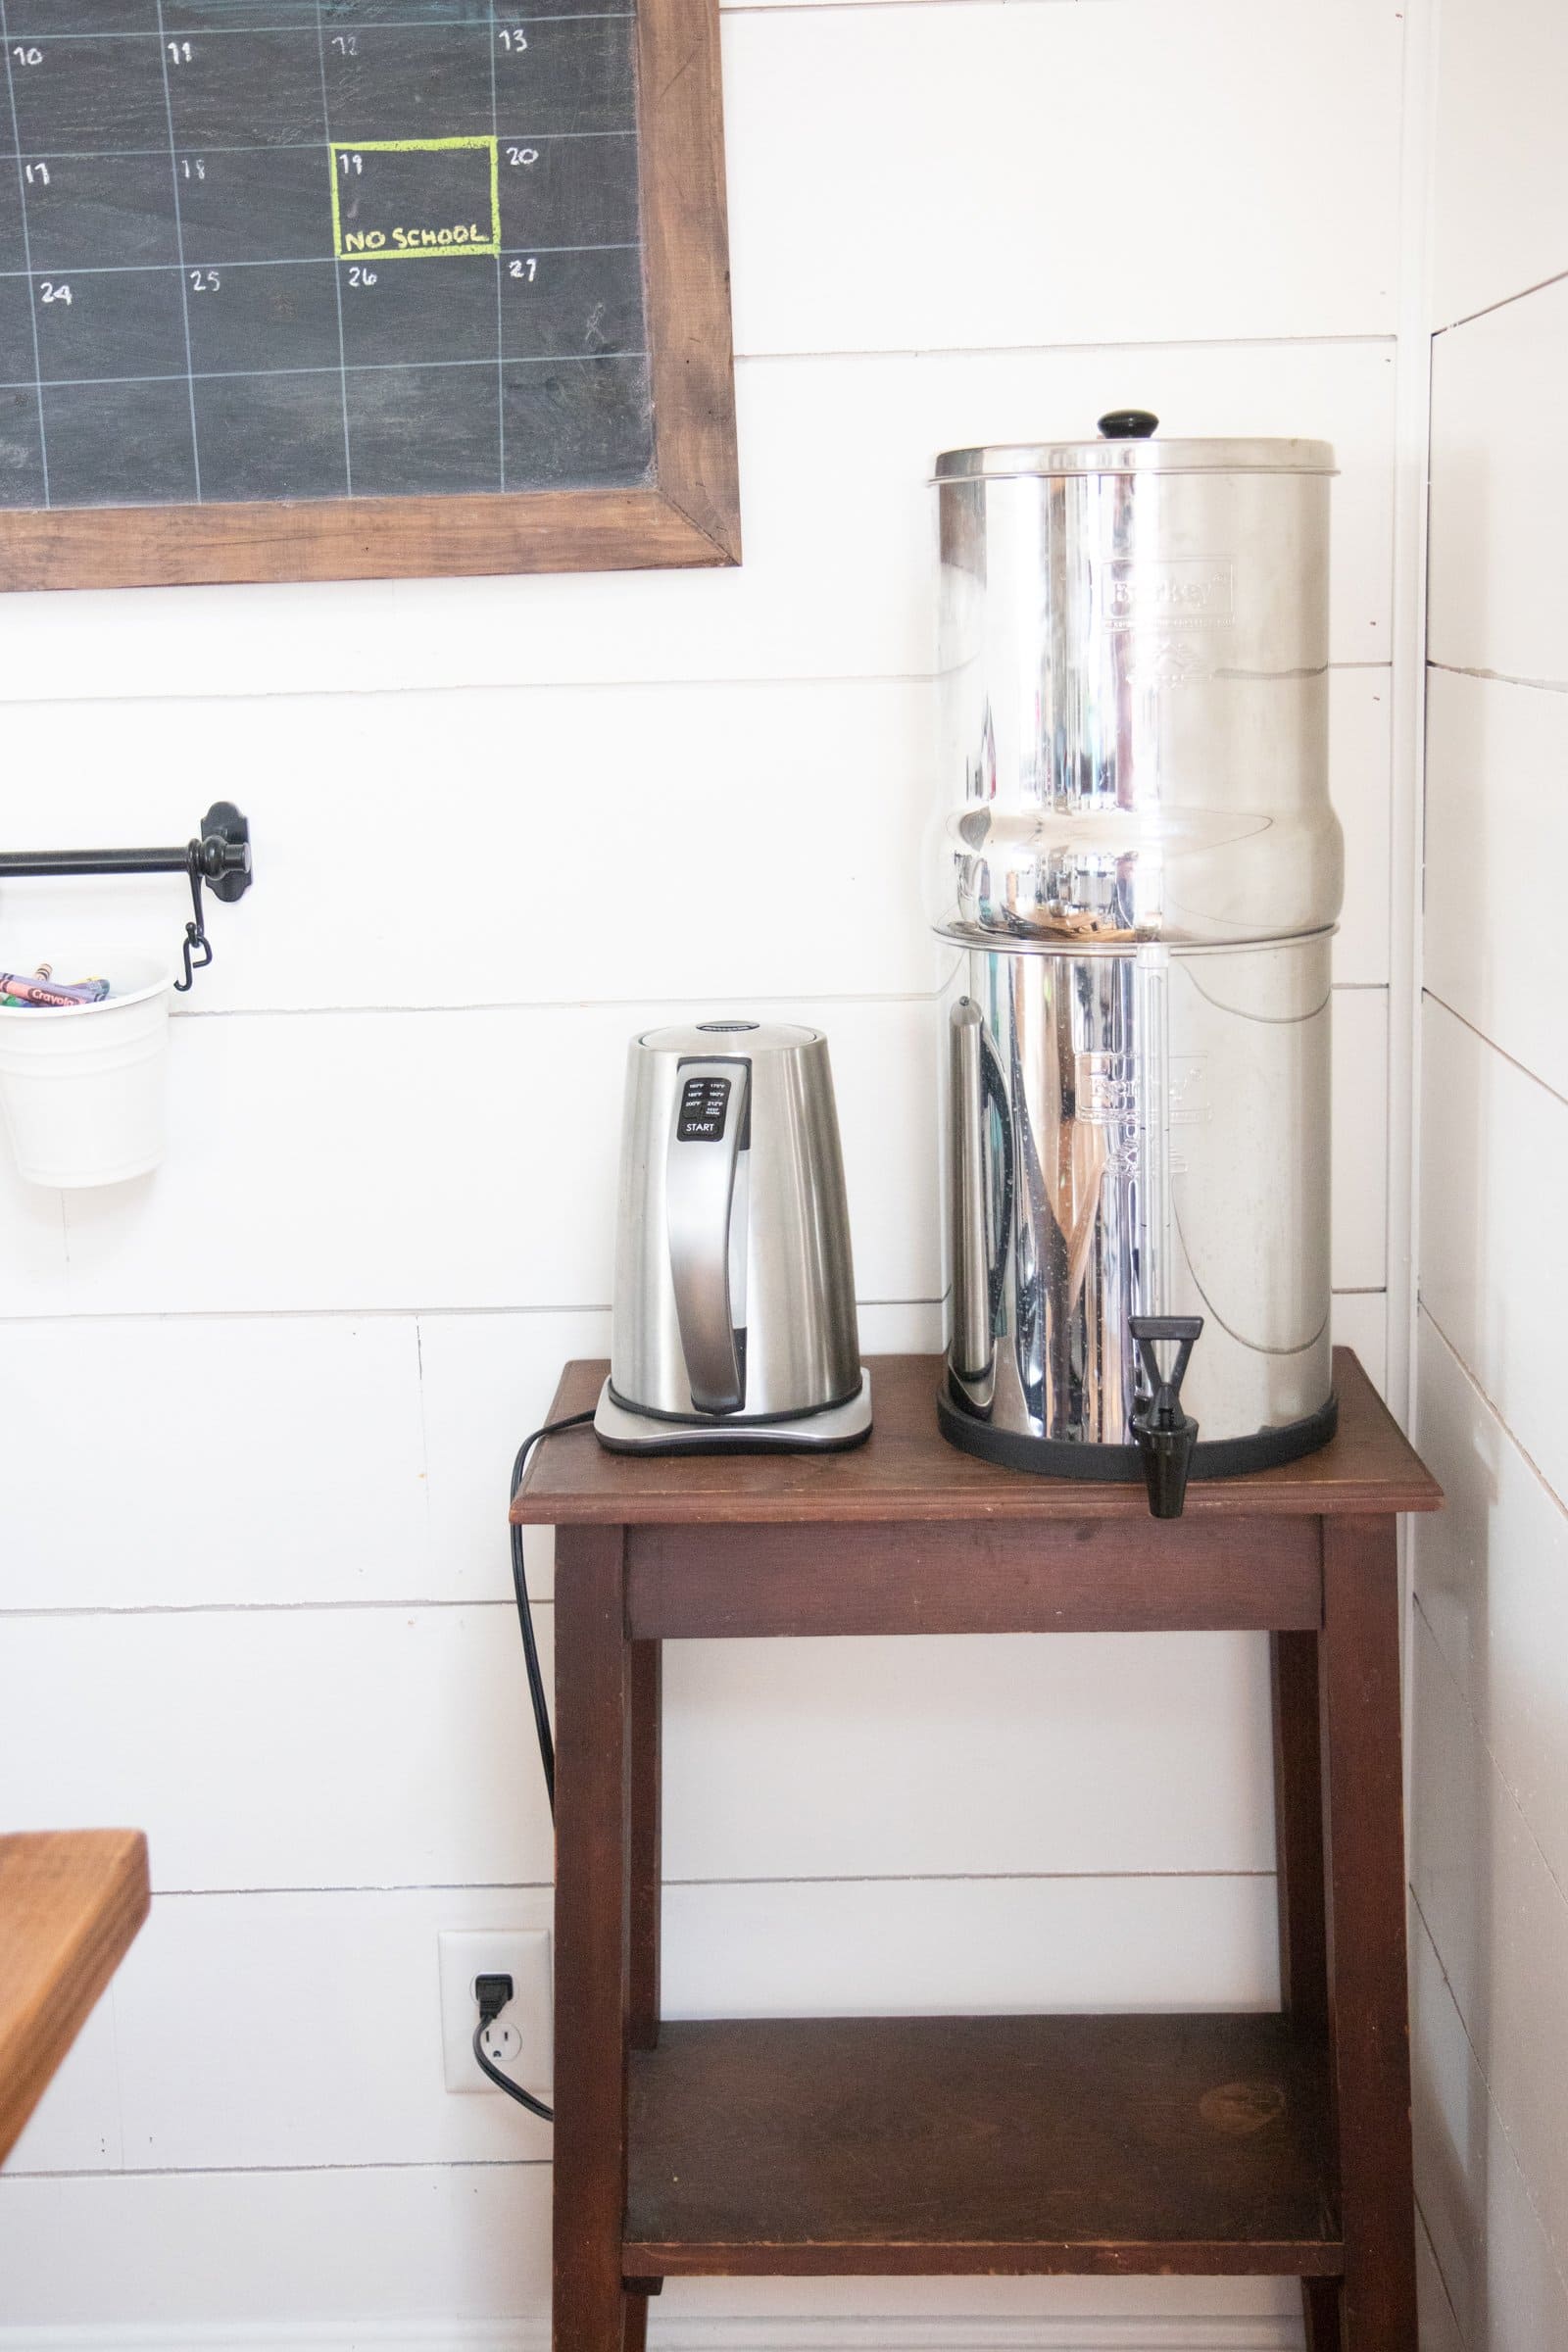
{"points": [[494, 1992], [519, 1586]]}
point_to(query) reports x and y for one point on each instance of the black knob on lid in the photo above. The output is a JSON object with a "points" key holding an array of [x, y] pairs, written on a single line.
{"points": [[1127, 424]]}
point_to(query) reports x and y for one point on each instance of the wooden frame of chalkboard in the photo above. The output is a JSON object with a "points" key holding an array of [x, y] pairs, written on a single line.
{"points": [[685, 513]]}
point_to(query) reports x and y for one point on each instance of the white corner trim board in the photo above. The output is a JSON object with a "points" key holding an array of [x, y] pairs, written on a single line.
{"points": [[1100, 2334]]}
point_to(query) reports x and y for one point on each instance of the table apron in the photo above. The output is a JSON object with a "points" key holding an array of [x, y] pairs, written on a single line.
{"points": [[707, 1582]]}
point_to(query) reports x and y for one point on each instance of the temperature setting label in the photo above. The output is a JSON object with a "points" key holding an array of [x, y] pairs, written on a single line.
{"points": [[703, 1103]]}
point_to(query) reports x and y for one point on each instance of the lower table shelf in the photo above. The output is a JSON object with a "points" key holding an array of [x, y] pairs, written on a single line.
{"points": [[818, 2146]]}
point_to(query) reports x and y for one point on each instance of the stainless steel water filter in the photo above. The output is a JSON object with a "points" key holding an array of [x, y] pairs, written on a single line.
{"points": [[1138, 869], [734, 1322]]}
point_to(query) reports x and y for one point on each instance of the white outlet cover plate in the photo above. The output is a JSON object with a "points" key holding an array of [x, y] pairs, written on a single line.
{"points": [[523, 1955]]}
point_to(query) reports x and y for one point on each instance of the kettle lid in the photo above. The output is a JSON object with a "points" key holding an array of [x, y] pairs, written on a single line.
{"points": [[729, 1036]]}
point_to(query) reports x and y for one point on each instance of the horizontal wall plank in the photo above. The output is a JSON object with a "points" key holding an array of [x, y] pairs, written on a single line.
{"points": [[327, 1989], [1493, 1147], [1496, 816], [1496, 599], [315, 1457], [839, 1757], [182, 1462], [293, 2247], [1499, 1923], [1492, 1575], [749, 802], [522, 846], [841, 549], [934, 212], [1500, 204], [368, 1217], [282, 1747], [340, 2005], [918, 1948], [268, 1459], [433, 2259], [393, 1748], [1496, 2259], [367, 1214]]}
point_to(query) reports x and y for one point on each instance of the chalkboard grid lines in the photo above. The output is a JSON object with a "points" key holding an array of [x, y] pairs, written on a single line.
{"points": [[163, 46], [27, 256], [263, 285], [337, 275], [500, 380]]}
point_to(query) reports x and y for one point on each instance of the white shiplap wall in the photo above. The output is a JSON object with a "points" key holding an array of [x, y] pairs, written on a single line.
{"points": [[256, 1583], [1490, 1645]]}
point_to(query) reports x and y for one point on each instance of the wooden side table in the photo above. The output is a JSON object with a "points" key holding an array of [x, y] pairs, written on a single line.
{"points": [[1276, 2144]]}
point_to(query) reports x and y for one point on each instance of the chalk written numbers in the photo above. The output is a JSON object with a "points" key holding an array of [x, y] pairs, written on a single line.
{"points": [[398, 198]]}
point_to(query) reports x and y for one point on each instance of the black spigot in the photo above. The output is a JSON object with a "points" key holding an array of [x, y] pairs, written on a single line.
{"points": [[1165, 1435]]}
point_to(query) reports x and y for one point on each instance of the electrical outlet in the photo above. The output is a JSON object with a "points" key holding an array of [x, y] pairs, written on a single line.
{"points": [[520, 2041]]}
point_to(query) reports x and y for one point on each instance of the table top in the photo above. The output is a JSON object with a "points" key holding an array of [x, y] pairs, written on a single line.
{"points": [[908, 1471], [70, 1901]]}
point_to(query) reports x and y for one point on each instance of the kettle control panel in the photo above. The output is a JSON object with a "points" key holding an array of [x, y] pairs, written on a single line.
{"points": [[703, 1103]]}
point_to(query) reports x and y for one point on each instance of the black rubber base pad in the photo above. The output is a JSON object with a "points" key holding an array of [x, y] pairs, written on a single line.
{"points": [[1123, 1465]]}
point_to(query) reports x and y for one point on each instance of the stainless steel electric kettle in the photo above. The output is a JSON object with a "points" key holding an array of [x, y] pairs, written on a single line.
{"points": [[734, 1324]]}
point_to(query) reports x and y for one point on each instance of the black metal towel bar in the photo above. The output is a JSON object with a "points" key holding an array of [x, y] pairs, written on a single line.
{"points": [[219, 856]]}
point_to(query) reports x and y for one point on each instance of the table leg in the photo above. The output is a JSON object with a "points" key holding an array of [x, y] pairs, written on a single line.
{"points": [[647, 1810], [593, 1848], [639, 2292], [1368, 1991], [1299, 1830], [1320, 2312], [1299, 1864]]}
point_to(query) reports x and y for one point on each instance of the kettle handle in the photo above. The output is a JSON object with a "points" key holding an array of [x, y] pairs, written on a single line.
{"points": [[710, 1120]]}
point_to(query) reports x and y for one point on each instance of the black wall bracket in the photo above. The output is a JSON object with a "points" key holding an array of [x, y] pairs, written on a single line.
{"points": [[219, 856]]}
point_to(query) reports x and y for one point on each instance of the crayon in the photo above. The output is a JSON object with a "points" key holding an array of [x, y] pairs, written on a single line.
{"points": [[18, 990]]}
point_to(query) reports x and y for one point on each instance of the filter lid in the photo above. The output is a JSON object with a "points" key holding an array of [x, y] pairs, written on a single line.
{"points": [[1127, 445]]}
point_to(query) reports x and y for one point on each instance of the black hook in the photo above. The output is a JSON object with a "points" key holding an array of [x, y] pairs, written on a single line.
{"points": [[221, 859], [219, 856], [196, 948]]}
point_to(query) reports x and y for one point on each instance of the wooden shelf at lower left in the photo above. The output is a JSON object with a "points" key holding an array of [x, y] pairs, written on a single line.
{"points": [[70, 1901]]}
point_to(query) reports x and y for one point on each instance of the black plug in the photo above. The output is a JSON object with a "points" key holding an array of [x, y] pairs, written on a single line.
{"points": [[492, 1994]]}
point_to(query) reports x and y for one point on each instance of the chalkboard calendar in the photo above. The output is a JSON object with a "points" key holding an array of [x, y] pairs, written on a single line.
{"points": [[306, 288]]}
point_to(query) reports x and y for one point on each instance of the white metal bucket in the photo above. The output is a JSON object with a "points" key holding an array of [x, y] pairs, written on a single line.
{"points": [[82, 1086]]}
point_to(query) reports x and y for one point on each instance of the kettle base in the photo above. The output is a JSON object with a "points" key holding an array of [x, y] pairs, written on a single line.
{"points": [[1123, 1465], [621, 1430]]}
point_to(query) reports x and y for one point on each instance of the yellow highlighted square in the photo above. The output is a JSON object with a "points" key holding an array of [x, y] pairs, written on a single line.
{"points": [[432, 224]]}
